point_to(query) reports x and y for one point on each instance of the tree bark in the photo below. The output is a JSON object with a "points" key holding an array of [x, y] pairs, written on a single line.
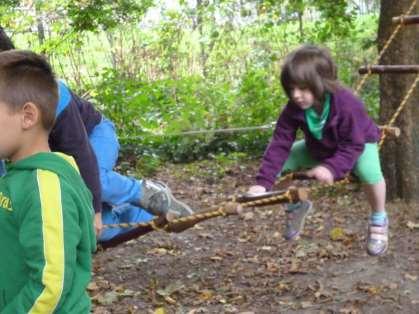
{"points": [[400, 156]]}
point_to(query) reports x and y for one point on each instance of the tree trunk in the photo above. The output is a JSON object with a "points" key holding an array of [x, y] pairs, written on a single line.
{"points": [[400, 157], [39, 23], [205, 49], [300, 25]]}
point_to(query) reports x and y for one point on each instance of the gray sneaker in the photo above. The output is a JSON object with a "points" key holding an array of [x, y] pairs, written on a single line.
{"points": [[157, 199], [295, 217]]}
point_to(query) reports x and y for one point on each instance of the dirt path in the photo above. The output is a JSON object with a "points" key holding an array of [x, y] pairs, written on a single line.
{"points": [[242, 264]]}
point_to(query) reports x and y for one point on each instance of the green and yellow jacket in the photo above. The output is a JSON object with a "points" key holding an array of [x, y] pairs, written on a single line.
{"points": [[46, 237]]}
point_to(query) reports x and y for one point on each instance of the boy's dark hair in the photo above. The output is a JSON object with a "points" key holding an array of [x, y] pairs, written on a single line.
{"points": [[310, 67], [27, 77], [5, 41]]}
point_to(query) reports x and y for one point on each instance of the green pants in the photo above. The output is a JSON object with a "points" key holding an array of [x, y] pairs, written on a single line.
{"points": [[367, 168]]}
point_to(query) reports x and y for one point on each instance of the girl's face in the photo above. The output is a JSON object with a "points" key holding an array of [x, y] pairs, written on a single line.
{"points": [[302, 97]]}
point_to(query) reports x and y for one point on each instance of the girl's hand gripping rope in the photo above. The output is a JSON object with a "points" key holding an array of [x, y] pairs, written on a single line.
{"points": [[322, 174]]}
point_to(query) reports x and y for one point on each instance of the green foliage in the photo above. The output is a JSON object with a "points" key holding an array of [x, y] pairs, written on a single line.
{"points": [[336, 19], [211, 66], [9, 3], [152, 114], [90, 15], [147, 166]]}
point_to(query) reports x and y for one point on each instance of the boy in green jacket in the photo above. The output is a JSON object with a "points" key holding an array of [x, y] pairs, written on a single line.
{"points": [[46, 214]]}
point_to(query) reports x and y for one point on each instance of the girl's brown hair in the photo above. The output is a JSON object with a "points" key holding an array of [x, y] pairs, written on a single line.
{"points": [[310, 67]]}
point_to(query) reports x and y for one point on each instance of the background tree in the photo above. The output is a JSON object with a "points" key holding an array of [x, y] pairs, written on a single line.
{"points": [[400, 157]]}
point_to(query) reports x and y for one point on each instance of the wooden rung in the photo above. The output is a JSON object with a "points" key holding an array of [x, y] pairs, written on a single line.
{"points": [[390, 130], [406, 19], [381, 69]]}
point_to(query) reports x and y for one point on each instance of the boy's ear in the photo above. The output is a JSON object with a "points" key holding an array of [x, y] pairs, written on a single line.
{"points": [[30, 115]]}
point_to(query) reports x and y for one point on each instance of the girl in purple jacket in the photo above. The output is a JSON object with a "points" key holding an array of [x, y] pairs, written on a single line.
{"points": [[339, 138]]}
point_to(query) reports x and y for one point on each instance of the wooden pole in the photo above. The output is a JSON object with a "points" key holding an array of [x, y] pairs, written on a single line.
{"points": [[406, 19], [396, 69]]}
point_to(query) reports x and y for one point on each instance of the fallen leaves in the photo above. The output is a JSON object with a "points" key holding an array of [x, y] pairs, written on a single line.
{"points": [[243, 265]]}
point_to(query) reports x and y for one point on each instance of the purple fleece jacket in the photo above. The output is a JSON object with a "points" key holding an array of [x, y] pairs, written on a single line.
{"points": [[347, 129]]}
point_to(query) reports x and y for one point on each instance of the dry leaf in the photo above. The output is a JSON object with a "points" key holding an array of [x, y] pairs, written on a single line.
{"points": [[283, 287], [92, 286], [306, 304], [350, 310], [371, 289], [410, 277], [107, 299], [216, 258], [206, 295], [337, 234], [158, 251], [170, 289], [170, 300], [248, 216], [272, 267], [411, 225], [160, 310], [206, 235]]}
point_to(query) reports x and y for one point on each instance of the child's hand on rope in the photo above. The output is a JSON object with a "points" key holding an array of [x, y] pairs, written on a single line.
{"points": [[321, 174], [252, 191], [256, 189], [98, 224]]}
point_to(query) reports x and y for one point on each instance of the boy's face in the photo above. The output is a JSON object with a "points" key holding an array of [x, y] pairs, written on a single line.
{"points": [[302, 97], [10, 131]]}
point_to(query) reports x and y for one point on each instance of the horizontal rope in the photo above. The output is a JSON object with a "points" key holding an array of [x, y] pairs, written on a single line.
{"points": [[210, 131], [264, 127]]}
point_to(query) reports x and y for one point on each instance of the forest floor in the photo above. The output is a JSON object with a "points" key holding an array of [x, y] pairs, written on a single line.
{"points": [[242, 264]]}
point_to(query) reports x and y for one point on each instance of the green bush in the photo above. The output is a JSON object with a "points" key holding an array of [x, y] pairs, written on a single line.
{"points": [[151, 116]]}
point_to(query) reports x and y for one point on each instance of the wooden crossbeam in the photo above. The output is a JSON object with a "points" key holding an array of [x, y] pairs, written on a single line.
{"points": [[395, 69], [406, 19]]}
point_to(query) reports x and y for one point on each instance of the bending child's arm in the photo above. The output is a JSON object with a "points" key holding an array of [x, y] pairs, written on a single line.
{"points": [[278, 149]]}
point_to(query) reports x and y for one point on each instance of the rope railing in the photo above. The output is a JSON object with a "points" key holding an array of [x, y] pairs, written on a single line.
{"points": [[234, 206], [400, 108]]}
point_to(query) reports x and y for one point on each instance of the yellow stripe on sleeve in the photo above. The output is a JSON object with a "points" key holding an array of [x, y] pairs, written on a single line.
{"points": [[53, 237], [69, 159]]}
